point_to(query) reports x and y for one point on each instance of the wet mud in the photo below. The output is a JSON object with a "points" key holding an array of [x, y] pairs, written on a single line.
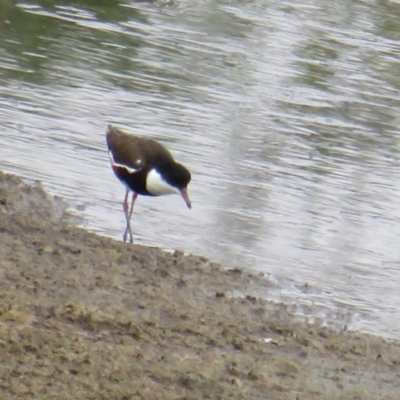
{"points": [[87, 317]]}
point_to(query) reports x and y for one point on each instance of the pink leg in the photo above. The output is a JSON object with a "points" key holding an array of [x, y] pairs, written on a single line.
{"points": [[128, 216], [125, 204]]}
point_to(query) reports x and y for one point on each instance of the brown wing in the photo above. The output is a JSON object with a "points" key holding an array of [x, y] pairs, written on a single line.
{"points": [[133, 151]]}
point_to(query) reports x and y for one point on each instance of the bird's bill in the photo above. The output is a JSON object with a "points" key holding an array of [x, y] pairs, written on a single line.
{"points": [[185, 197]]}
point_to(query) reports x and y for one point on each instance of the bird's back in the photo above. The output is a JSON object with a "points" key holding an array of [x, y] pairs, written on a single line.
{"points": [[134, 151]]}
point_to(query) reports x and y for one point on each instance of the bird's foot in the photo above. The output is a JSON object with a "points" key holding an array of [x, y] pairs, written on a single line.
{"points": [[125, 237]]}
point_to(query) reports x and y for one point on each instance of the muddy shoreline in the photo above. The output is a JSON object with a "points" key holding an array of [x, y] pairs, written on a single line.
{"points": [[88, 317]]}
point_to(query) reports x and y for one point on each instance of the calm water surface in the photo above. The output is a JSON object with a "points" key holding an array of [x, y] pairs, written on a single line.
{"points": [[287, 115]]}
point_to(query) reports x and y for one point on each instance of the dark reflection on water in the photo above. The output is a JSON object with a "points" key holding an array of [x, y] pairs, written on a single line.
{"points": [[286, 114]]}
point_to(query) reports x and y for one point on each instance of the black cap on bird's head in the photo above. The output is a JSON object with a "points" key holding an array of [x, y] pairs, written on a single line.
{"points": [[179, 177]]}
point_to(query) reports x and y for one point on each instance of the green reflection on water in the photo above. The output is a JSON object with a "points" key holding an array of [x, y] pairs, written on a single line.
{"points": [[40, 37]]}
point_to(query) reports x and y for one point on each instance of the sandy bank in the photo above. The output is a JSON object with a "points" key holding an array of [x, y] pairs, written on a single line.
{"points": [[87, 317]]}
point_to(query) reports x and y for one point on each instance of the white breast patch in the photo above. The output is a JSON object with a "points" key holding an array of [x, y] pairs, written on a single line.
{"points": [[156, 185]]}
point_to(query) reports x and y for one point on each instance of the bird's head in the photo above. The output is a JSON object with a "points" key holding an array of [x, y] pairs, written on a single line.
{"points": [[178, 176]]}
